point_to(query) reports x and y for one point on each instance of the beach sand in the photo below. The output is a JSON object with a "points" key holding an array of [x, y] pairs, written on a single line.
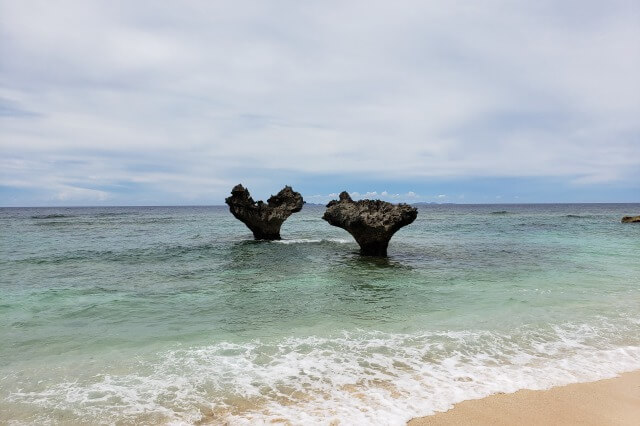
{"points": [[606, 402]]}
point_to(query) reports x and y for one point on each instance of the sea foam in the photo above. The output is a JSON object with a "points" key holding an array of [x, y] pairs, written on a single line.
{"points": [[313, 241], [353, 378]]}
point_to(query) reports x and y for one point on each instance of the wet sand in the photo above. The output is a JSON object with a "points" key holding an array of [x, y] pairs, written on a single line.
{"points": [[606, 402]]}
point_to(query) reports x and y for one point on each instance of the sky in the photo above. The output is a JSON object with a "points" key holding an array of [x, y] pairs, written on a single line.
{"points": [[173, 103]]}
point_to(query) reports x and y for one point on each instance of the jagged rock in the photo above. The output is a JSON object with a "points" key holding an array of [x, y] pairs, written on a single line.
{"points": [[631, 219], [264, 220], [371, 222]]}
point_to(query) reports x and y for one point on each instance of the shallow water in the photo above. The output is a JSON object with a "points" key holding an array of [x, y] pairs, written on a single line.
{"points": [[173, 315]]}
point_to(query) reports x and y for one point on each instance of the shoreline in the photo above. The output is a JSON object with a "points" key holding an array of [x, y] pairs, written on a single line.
{"points": [[614, 401]]}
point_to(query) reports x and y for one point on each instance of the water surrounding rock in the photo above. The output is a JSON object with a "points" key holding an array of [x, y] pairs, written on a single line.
{"points": [[371, 222], [631, 219], [264, 220]]}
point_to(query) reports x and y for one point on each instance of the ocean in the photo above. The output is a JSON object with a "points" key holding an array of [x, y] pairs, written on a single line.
{"points": [[173, 315]]}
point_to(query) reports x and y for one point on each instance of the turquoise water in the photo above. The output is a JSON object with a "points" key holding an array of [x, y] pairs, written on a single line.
{"points": [[173, 315]]}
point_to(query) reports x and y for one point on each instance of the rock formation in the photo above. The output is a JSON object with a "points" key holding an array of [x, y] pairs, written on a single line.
{"points": [[264, 220], [631, 219], [371, 222]]}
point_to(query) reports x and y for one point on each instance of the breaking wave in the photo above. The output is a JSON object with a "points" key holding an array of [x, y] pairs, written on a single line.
{"points": [[354, 378], [313, 241]]}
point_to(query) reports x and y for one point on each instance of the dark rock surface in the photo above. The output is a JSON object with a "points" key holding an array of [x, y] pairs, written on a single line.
{"points": [[264, 220], [631, 219], [371, 222]]}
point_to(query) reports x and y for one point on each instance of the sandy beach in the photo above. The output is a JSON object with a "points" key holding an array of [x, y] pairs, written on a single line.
{"points": [[606, 402]]}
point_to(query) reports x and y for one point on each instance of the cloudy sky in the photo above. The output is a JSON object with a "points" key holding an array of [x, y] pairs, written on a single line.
{"points": [[168, 103]]}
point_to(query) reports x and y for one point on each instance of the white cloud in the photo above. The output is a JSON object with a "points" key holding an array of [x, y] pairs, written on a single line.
{"points": [[410, 196], [409, 90], [80, 194]]}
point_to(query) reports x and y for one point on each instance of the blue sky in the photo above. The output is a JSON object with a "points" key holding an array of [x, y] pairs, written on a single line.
{"points": [[155, 103]]}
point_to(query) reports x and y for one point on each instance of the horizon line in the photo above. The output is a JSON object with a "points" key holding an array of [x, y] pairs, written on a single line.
{"points": [[423, 203]]}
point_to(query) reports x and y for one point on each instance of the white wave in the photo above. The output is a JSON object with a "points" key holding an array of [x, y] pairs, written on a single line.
{"points": [[357, 378], [313, 241]]}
